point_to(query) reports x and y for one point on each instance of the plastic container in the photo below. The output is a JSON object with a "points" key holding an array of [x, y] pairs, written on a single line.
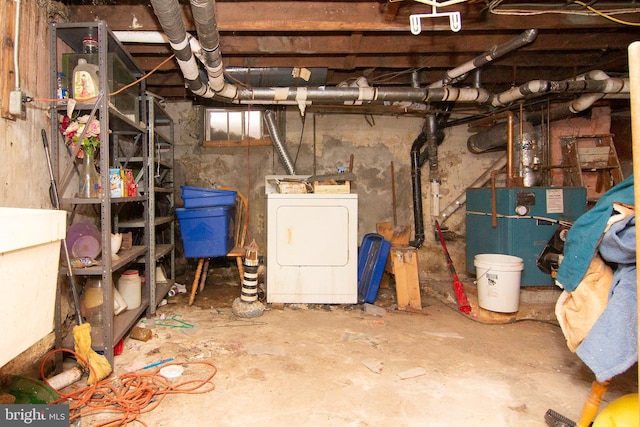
{"points": [[29, 255], [92, 302], [130, 287], [498, 278], [372, 258], [62, 88], [207, 232], [85, 80], [196, 197]]}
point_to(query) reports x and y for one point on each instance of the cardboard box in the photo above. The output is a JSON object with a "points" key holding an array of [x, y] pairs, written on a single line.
{"points": [[332, 187]]}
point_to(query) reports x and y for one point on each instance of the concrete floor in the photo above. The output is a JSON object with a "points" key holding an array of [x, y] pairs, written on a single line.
{"points": [[340, 366]]}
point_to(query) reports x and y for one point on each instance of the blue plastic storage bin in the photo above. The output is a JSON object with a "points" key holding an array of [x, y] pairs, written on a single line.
{"points": [[196, 197], [372, 258], [207, 232]]}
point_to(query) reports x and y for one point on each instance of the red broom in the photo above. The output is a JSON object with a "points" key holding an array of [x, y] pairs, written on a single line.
{"points": [[463, 303]]}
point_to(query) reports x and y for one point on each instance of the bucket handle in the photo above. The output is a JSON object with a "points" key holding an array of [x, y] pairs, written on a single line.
{"points": [[475, 282]]}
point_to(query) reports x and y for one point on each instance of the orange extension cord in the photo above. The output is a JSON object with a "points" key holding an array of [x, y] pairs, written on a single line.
{"points": [[130, 395]]}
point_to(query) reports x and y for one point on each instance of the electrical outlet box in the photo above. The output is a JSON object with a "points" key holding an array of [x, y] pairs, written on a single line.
{"points": [[15, 103]]}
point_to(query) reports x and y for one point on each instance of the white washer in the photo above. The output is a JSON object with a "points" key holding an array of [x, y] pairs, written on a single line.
{"points": [[312, 248]]}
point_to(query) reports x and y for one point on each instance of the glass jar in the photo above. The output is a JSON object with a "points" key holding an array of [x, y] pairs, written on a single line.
{"points": [[89, 45], [92, 302]]}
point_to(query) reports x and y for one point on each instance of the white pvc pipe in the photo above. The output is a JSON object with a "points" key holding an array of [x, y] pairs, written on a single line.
{"points": [[141, 37]]}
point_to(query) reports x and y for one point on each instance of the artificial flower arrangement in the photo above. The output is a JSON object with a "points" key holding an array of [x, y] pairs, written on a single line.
{"points": [[72, 129]]}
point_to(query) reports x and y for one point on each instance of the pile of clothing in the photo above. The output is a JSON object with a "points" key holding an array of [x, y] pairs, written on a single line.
{"points": [[597, 309]]}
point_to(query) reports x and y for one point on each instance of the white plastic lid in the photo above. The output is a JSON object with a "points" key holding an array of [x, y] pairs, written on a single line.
{"points": [[171, 371]]}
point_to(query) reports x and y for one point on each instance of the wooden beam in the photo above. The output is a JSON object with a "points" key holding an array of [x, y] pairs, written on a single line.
{"points": [[307, 16], [354, 47], [390, 10], [7, 81], [238, 143], [385, 43]]}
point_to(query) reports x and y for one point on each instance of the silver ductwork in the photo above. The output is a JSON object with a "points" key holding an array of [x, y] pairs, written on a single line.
{"points": [[497, 51], [278, 143]]}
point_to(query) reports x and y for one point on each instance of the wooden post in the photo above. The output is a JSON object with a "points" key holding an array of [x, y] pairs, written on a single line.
{"points": [[404, 265]]}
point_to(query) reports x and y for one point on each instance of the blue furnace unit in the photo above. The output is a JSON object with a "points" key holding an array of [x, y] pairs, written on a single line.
{"points": [[526, 221]]}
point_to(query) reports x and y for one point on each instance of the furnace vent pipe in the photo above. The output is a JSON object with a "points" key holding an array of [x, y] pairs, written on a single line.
{"points": [[272, 127], [497, 51], [495, 138]]}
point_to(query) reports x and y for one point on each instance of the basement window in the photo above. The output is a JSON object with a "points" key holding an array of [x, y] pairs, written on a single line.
{"points": [[230, 128]]}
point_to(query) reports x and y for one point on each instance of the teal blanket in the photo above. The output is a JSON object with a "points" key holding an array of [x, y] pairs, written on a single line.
{"points": [[585, 235]]}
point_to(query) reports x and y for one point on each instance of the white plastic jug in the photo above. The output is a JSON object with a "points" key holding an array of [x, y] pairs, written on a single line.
{"points": [[130, 287]]}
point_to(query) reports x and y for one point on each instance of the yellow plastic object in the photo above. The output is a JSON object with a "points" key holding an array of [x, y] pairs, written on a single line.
{"points": [[622, 412]]}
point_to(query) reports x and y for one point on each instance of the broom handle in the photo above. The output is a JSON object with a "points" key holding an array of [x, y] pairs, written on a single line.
{"points": [[56, 202], [461, 297]]}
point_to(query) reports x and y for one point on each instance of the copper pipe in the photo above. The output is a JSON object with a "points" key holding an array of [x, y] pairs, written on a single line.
{"points": [[509, 115]]}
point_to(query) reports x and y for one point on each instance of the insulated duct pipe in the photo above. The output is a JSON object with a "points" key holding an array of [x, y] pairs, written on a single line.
{"points": [[596, 80], [591, 84], [582, 103], [208, 52], [204, 16], [272, 127], [495, 138], [170, 18], [497, 51]]}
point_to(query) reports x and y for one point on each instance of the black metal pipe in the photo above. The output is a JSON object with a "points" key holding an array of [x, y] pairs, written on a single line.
{"points": [[430, 138], [416, 184]]}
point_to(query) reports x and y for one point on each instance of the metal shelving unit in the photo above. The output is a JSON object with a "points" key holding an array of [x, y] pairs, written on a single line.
{"points": [[120, 112], [160, 139]]}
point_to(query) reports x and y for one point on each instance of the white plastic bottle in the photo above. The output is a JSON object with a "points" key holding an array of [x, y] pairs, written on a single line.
{"points": [[85, 80], [130, 287]]}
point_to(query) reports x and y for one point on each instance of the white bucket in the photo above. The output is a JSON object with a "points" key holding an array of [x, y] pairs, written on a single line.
{"points": [[498, 278]]}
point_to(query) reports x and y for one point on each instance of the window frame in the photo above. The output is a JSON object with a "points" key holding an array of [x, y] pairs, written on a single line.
{"points": [[243, 126]]}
